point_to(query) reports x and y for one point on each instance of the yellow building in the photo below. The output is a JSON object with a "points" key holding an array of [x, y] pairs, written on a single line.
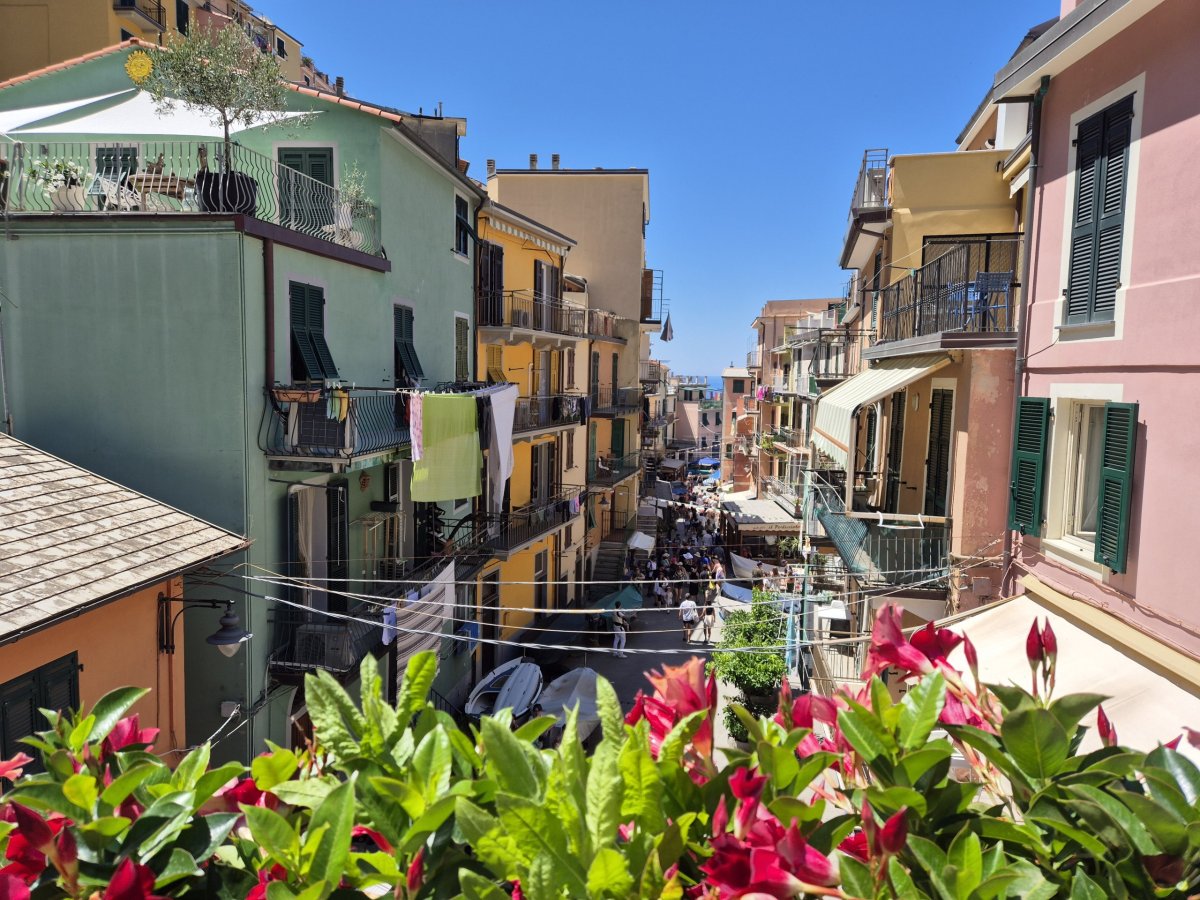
{"points": [[38, 33], [529, 336]]}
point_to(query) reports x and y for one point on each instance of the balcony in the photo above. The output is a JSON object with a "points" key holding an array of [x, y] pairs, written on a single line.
{"points": [[602, 325], [788, 493], [535, 414], [883, 550], [528, 523], [962, 298], [653, 305], [180, 178], [334, 423], [610, 401], [304, 641], [754, 359], [651, 372], [148, 12], [609, 470], [868, 204], [529, 311]]}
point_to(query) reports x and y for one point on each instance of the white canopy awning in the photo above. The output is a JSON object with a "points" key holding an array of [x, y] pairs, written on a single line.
{"points": [[640, 541], [836, 410], [1146, 708], [11, 119]]}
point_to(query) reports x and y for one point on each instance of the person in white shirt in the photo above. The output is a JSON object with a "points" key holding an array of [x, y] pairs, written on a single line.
{"points": [[688, 614], [620, 626]]}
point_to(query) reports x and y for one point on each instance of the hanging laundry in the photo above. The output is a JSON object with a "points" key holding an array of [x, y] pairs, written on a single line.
{"points": [[415, 431], [448, 468], [500, 451]]}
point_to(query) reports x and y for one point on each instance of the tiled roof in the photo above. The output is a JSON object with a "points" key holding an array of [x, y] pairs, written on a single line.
{"points": [[74, 61], [70, 539]]}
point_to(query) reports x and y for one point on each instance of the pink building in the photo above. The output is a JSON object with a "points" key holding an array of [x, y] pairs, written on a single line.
{"points": [[1103, 504]]}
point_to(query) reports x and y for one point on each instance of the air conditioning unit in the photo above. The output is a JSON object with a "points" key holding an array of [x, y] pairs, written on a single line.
{"points": [[327, 646]]}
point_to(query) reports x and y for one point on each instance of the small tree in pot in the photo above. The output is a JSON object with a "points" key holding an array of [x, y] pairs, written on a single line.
{"points": [[755, 673], [221, 74]]}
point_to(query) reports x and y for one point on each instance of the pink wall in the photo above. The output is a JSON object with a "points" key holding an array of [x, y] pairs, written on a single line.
{"points": [[1153, 358]]}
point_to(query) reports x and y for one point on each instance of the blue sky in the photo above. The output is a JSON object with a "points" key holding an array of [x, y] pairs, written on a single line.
{"points": [[751, 117]]}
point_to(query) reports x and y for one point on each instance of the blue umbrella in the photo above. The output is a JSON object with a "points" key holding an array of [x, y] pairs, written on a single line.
{"points": [[708, 461]]}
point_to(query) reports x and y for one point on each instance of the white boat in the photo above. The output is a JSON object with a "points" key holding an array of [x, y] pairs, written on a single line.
{"points": [[562, 694], [515, 685]]}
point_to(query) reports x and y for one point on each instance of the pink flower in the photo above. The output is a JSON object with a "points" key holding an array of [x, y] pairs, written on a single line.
{"points": [[1034, 649], [415, 876], [231, 797], [679, 691], [855, 844], [13, 888], [127, 734], [895, 833], [889, 647], [1108, 734], [131, 881], [265, 877], [12, 769]]}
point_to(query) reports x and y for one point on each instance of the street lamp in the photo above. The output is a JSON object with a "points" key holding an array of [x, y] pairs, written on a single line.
{"points": [[228, 638]]}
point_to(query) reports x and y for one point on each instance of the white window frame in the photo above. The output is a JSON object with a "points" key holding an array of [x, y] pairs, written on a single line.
{"points": [[1102, 331]]}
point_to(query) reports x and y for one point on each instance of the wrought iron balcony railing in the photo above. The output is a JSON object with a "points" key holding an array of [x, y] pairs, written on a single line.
{"points": [[529, 310], [535, 413], [967, 288], [603, 324], [151, 9], [527, 523], [609, 399], [651, 371], [334, 422], [180, 177], [610, 470]]}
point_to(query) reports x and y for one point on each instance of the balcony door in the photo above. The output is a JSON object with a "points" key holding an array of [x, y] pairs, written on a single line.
{"points": [[618, 438], [895, 452], [937, 460], [489, 622], [304, 204], [318, 543]]}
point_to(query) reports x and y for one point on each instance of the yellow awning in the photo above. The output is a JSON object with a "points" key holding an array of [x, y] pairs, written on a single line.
{"points": [[837, 408]]}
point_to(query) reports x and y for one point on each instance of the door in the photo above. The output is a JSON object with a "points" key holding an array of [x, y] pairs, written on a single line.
{"points": [[894, 452], [937, 460], [306, 203], [618, 438], [489, 622], [594, 382]]}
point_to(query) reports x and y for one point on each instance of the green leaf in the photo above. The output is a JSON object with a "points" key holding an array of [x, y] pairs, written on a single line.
{"points": [[433, 762], [1167, 829], [191, 768], [966, 856], [901, 879], [414, 688], [1073, 707], [535, 728], [1083, 888], [215, 779], [539, 882], [604, 794], [919, 710], [541, 835], [499, 850], [1036, 741], [934, 862], [608, 875], [932, 759], [106, 826], [81, 790], [337, 813], [180, 865], [1011, 697], [273, 833], [1180, 768], [608, 705], [337, 723], [111, 708], [277, 890], [890, 800], [476, 887], [678, 737], [856, 878], [205, 834], [749, 722], [507, 761], [642, 797], [864, 732], [1120, 814], [273, 768]]}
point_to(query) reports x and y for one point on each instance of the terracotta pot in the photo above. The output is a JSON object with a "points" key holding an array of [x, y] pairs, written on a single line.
{"points": [[296, 395]]}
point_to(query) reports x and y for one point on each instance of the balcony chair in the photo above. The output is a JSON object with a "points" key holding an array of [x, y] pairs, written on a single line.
{"points": [[982, 313]]}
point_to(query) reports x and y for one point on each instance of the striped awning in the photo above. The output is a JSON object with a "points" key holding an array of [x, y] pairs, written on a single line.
{"points": [[836, 409]]}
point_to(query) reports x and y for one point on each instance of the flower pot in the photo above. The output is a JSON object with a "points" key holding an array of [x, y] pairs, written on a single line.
{"points": [[296, 395], [68, 199]]}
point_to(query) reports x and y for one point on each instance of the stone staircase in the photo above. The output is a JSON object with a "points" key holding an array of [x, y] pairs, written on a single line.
{"points": [[609, 569]]}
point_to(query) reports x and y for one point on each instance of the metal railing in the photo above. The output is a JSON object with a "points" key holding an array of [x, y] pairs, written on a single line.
{"points": [[653, 307], [651, 370], [753, 358], [304, 641], [531, 310], [151, 9], [538, 517], [870, 187], [606, 398], [181, 178], [334, 422], [610, 470], [602, 323], [533, 413], [968, 288]]}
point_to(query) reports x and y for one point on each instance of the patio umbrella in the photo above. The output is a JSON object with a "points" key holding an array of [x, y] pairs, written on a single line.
{"points": [[629, 597], [708, 461]]}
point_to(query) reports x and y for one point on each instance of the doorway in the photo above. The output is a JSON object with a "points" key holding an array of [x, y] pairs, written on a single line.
{"points": [[937, 460]]}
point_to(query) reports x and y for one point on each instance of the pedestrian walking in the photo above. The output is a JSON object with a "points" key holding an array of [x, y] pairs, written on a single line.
{"points": [[688, 614], [708, 620], [620, 626], [660, 592]]}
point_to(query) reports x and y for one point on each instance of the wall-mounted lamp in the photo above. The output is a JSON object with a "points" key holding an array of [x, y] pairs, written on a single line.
{"points": [[228, 638]]}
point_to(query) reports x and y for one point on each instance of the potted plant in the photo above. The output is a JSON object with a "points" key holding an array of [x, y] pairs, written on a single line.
{"points": [[62, 180], [220, 73], [755, 675], [353, 201]]}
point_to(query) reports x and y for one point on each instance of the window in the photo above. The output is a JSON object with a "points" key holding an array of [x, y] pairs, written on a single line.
{"points": [[1098, 219], [280, 48], [489, 284], [52, 686], [547, 281], [1083, 504], [739, 386], [311, 359], [298, 207], [569, 439], [183, 14], [570, 376], [462, 226], [704, 418], [462, 348], [615, 378], [406, 364], [729, 451], [495, 364]]}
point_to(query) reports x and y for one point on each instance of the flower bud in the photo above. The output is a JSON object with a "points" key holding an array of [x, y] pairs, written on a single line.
{"points": [[1049, 642], [33, 828], [416, 872], [1034, 650], [1108, 734], [895, 833]]}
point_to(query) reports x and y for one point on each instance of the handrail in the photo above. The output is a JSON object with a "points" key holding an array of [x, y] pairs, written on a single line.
{"points": [[533, 413], [334, 422], [531, 310]]}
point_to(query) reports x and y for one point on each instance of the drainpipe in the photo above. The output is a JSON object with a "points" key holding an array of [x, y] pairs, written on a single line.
{"points": [[269, 313], [1035, 135]]}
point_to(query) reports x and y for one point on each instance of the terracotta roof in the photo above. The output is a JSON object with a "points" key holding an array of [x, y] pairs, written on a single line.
{"points": [[390, 114], [71, 540], [66, 64]]}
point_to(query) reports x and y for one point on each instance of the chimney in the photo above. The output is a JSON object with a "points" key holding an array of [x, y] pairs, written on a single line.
{"points": [[554, 160], [533, 160], [339, 86], [491, 167]]}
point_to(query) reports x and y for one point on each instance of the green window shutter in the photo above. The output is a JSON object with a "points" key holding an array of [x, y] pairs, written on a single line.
{"points": [[617, 444], [316, 331], [1116, 484], [1028, 465], [406, 351], [306, 366], [462, 353], [1081, 271], [318, 165], [1111, 212]]}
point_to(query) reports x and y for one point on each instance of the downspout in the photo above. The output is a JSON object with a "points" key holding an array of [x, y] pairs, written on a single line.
{"points": [[269, 314], [1035, 134]]}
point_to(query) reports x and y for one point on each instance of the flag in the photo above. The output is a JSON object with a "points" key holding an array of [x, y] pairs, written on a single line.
{"points": [[668, 332]]}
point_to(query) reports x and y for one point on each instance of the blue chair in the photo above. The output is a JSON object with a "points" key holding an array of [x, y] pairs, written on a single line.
{"points": [[983, 313]]}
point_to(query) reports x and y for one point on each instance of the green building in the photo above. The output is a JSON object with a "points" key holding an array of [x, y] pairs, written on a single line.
{"points": [[224, 329]]}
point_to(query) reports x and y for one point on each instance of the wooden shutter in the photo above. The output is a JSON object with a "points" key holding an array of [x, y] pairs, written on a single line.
{"points": [[496, 300], [483, 282], [406, 352], [1116, 484], [555, 372], [59, 684], [1082, 267], [937, 463], [570, 369], [617, 444], [462, 353], [1118, 121], [595, 375], [316, 331], [554, 283], [19, 716], [1028, 465], [305, 365], [337, 555], [535, 472], [895, 450], [318, 164]]}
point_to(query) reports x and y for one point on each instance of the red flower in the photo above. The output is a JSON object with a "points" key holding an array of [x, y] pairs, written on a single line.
{"points": [[131, 881], [231, 797], [126, 734], [1034, 649], [895, 833], [1108, 734], [415, 876], [855, 844], [363, 831], [889, 647], [1049, 642], [265, 877], [33, 828], [679, 691], [13, 888], [12, 769]]}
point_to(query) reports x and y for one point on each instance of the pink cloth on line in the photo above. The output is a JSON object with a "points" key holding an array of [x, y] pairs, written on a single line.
{"points": [[415, 408]]}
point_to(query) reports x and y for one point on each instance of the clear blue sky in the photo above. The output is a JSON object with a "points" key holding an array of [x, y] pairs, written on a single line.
{"points": [[751, 117]]}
